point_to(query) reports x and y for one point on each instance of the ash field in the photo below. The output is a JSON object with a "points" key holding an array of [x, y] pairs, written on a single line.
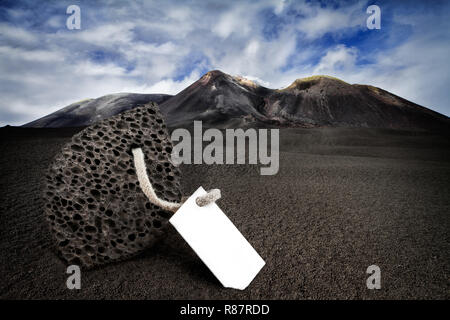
{"points": [[343, 199]]}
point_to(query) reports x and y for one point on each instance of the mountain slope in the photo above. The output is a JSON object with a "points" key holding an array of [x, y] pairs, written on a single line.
{"points": [[221, 100], [217, 99], [329, 101], [86, 112]]}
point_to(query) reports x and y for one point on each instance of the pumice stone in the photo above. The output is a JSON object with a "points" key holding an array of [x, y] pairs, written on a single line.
{"points": [[93, 203]]}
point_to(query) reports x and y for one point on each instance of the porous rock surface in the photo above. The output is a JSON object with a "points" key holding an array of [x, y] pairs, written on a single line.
{"points": [[93, 202]]}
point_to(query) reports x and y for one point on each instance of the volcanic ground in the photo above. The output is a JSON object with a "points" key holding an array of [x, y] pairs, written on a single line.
{"points": [[343, 199]]}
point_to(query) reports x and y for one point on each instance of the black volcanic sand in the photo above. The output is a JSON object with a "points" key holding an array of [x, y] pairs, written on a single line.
{"points": [[343, 199]]}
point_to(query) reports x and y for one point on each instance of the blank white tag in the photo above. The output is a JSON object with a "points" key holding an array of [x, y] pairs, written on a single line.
{"points": [[219, 244]]}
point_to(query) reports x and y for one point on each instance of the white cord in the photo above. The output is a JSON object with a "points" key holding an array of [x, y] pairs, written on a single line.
{"points": [[146, 186]]}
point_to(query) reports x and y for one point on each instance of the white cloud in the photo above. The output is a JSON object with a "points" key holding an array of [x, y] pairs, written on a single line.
{"points": [[170, 86], [31, 55], [112, 34], [87, 69], [16, 35], [340, 58], [279, 6], [257, 81], [235, 21], [319, 21]]}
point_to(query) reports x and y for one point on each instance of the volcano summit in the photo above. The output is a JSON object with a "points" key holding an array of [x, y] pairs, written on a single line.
{"points": [[219, 99]]}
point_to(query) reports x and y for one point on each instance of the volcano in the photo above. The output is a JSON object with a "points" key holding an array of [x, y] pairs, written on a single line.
{"points": [[224, 101], [221, 100]]}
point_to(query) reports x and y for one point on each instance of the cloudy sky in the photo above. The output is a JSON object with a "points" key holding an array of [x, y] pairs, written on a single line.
{"points": [[163, 46]]}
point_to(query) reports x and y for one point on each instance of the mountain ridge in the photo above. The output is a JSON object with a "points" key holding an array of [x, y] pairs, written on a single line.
{"points": [[89, 111], [221, 100], [224, 101]]}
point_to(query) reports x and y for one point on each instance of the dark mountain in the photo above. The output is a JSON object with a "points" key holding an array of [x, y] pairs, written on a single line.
{"points": [[87, 112], [218, 99], [328, 101], [222, 100]]}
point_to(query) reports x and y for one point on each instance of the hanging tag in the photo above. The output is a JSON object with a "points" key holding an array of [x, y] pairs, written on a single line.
{"points": [[217, 242]]}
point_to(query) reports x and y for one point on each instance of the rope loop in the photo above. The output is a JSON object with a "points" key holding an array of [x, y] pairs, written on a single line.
{"points": [[146, 186]]}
